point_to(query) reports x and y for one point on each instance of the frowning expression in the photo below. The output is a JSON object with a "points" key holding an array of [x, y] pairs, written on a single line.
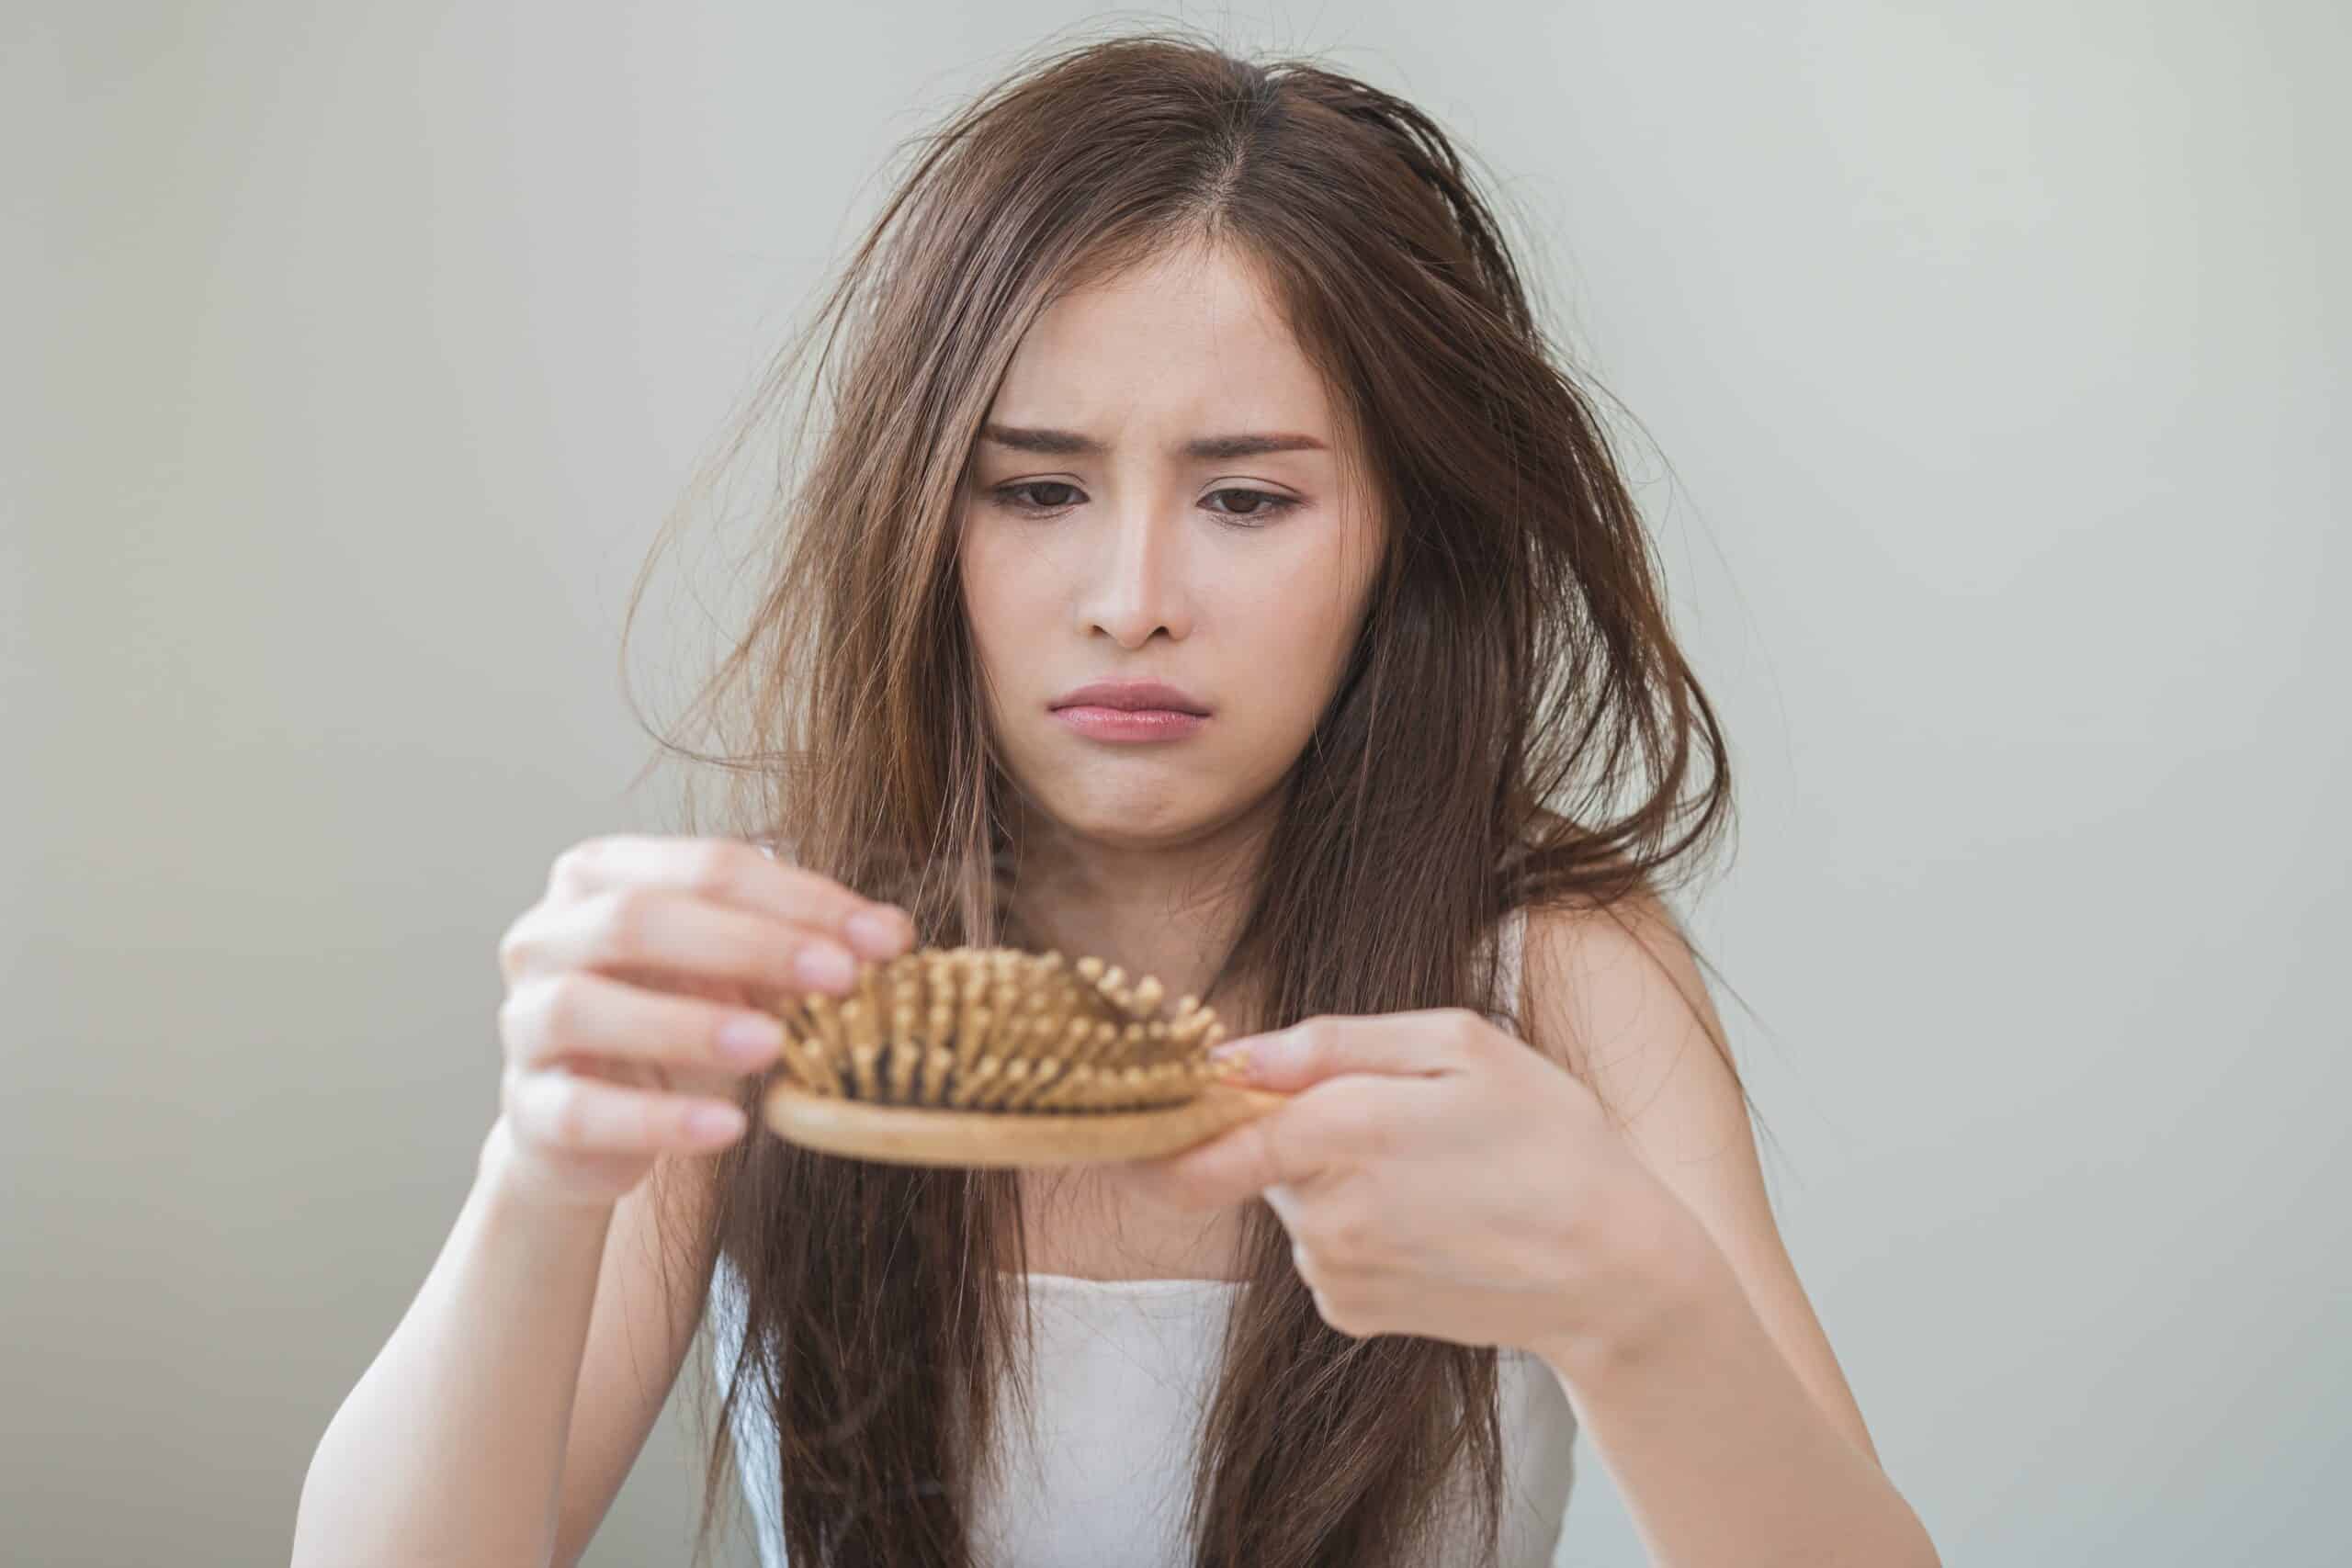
{"points": [[1155, 497]]}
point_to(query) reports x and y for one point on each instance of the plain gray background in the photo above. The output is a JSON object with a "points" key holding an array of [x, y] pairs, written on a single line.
{"points": [[354, 353]]}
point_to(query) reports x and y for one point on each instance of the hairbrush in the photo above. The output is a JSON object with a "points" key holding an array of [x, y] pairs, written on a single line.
{"points": [[996, 1056]]}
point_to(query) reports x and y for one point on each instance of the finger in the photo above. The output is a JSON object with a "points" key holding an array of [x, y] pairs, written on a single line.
{"points": [[1236, 1163], [567, 1110], [638, 928], [579, 1012], [1422, 1043], [1324, 1130], [728, 870]]}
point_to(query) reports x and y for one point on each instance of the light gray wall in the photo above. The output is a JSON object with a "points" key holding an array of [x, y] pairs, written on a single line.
{"points": [[353, 354]]}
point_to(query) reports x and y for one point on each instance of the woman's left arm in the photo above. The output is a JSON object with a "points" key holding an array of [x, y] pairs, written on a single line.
{"points": [[1597, 1201]]}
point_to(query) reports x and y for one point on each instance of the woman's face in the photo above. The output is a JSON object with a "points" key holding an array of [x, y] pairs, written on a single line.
{"points": [[1155, 497]]}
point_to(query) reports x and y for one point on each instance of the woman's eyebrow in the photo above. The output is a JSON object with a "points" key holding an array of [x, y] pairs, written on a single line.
{"points": [[1071, 444]]}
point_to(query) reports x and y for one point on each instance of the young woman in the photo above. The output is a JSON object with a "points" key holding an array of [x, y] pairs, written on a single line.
{"points": [[1205, 564]]}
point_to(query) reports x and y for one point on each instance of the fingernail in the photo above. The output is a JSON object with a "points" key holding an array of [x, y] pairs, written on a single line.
{"points": [[748, 1038], [876, 932], [825, 965]]}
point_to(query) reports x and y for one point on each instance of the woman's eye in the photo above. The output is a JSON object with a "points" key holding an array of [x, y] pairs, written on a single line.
{"points": [[1010, 495], [1263, 506]]}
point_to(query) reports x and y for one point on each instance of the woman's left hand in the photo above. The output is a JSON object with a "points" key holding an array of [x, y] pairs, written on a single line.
{"points": [[1438, 1177]]}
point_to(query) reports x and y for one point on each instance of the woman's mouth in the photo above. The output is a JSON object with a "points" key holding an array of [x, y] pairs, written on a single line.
{"points": [[1129, 724]]}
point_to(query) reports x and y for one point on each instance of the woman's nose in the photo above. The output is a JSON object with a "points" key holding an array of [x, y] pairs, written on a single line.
{"points": [[1136, 583]]}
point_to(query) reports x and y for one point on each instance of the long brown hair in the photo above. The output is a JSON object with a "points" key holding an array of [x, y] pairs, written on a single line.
{"points": [[1515, 728]]}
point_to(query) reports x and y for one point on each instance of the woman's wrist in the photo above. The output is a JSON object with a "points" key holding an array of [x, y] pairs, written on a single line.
{"points": [[1660, 1274], [510, 1187]]}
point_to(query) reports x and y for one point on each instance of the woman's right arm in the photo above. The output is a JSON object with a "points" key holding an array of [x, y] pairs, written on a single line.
{"points": [[500, 1420]]}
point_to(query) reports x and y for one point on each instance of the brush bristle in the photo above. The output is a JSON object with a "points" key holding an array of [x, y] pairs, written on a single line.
{"points": [[999, 1029]]}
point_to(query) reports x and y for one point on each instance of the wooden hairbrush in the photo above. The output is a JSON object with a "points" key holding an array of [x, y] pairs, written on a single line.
{"points": [[995, 1057]]}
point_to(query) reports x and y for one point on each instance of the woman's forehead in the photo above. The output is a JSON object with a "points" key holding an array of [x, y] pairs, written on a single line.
{"points": [[1176, 349]]}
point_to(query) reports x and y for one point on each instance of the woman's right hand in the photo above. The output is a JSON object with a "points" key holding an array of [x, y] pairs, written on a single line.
{"points": [[631, 1017]]}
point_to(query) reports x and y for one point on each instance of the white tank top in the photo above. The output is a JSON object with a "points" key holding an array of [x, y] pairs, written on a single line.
{"points": [[1124, 1371]]}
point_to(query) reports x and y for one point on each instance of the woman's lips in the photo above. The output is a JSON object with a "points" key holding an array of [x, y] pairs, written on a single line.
{"points": [[1129, 724]]}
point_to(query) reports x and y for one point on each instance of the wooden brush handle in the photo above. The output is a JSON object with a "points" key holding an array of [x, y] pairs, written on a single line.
{"points": [[915, 1135]]}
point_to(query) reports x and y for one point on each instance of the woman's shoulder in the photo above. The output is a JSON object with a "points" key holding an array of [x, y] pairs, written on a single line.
{"points": [[1619, 956]]}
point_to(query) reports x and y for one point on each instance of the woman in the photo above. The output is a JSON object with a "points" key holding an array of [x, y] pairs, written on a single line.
{"points": [[1205, 565]]}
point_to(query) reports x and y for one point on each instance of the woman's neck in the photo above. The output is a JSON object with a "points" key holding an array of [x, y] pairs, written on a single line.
{"points": [[1169, 910]]}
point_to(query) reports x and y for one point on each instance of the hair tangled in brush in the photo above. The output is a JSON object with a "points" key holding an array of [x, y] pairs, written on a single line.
{"points": [[999, 1028]]}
